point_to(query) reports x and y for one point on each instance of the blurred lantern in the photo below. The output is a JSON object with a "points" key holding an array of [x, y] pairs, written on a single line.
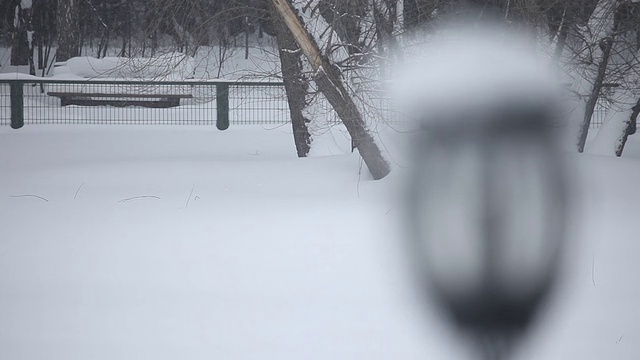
{"points": [[487, 205], [487, 212]]}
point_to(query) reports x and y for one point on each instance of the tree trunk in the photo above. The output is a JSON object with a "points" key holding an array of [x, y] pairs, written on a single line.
{"points": [[246, 37], [32, 65], [68, 30], [330, 84], [20, 42], [630, 129], [563, 32], [20, 48], [294, 84], [606, 45]]}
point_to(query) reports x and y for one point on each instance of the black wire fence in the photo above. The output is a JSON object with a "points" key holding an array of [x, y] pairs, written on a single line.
{"points": [[145, 103]]}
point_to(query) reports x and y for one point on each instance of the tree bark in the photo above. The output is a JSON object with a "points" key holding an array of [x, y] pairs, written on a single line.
{"points": [[68, 30], [330, 84], [294, 84]]}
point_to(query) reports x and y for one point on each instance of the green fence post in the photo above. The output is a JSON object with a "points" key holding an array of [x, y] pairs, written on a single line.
{"points": [[222, 105], [17, 104]]}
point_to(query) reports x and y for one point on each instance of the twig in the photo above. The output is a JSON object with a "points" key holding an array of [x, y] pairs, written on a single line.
{"points": [[620, 339], [140, 197], [190, 194], [77, 191], [29, 195]]}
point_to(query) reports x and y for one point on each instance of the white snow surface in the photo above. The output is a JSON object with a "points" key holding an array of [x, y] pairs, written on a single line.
{"points": [[189, 243]]}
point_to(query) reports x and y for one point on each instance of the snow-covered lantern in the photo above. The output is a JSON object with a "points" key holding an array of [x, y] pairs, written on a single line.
{"points": [[487, 199]]}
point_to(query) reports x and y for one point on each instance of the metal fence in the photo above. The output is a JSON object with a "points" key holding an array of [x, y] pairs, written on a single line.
{"points": [[220, 103], [158, 103], [599, 113]]}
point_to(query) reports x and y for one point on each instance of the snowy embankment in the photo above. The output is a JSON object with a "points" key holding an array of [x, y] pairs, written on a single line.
{"points": [[262, 65], [166, 67], [188, 243]]}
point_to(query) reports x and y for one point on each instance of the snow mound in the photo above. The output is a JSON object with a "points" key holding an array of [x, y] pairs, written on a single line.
{"points": [[171, 66], [17, 76]]}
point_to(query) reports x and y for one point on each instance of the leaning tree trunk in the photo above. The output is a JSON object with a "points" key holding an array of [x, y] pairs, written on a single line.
{"points": [[330, 84], [294, 84], [606, 45], [68, 30]]}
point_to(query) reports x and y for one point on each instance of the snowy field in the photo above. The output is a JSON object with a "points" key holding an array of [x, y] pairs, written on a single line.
{"points": [[190, 243]]}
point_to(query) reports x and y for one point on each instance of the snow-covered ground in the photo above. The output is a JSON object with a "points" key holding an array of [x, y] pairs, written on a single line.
{"points": [[189, 243]]}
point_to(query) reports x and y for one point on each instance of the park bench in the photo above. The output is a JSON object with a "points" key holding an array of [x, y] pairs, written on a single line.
{"points": [[120, 100]]}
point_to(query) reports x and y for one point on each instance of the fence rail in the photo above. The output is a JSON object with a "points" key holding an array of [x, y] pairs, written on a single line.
{"points": [[217, 103]]}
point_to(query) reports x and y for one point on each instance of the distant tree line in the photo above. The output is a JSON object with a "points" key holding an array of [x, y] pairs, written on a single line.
{"points": [[126, 27]]}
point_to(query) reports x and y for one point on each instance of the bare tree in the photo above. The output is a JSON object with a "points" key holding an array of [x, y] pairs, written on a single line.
{"points": [[623, 73], [597, 46], [329, 82]]}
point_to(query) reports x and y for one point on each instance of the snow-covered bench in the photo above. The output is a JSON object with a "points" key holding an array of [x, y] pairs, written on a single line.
{"points": [[119, 70], [119, 100]]}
